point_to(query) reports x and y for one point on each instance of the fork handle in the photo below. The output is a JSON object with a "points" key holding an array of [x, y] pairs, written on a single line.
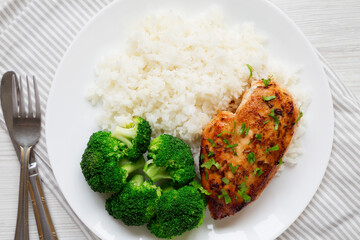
{"points": [[22, 222], [45, 226]]}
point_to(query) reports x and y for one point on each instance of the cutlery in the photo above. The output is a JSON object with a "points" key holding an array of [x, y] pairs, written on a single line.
{"points": [[26, 130], [44, 224]]}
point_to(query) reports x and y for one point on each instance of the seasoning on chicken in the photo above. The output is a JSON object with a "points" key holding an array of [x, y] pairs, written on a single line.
{"points": [[241, 152]]}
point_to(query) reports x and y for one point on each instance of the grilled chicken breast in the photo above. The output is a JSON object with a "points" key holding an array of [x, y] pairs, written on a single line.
{"points": [[241, 152]]}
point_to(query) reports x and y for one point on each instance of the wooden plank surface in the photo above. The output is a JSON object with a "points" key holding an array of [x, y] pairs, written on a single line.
{"points": [[332, 26]]}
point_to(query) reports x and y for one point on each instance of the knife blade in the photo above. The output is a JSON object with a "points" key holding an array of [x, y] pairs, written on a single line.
{"points": [[44, 223], [6, 105]]}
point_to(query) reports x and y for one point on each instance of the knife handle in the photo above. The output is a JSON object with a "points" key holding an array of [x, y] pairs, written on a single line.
{"points": [[44, 223]]}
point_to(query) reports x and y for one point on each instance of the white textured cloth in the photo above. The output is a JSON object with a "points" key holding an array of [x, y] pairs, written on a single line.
{"points": [[34, 36]]}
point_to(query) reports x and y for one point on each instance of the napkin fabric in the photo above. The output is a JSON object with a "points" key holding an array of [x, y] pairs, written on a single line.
{"points": [[34, 36]]}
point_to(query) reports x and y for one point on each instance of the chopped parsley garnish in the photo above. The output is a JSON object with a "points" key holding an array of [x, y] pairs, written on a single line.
{"points": [[225, 180], [226, 196], [202, 157], [242, 191], [276, 119], [233, 132], [211, 141], [268, 98], [250, 141], [301, 115], [210, 163], [276, 123], [246, 197], [210, 154], [251, 157], [250, 69], [272, 149], [258, 136], [242, 129], [258, 171], [234, 151], [207, 176], [222, 133], [226, 141], [243, 186], [204, 191], [217, 165], [232, 145], [266, 121], [280, 162], [247, 131], [232, 168], [199, 187], [272, 113], [266, 81]]}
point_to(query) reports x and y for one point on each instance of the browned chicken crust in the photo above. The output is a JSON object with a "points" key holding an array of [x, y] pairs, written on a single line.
{"points": [[254, 113]]}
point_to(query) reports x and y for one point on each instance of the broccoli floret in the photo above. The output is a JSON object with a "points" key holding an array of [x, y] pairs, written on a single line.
{"points": [[135, 204], [171, 158], [111, 148], [136, 136], [104, 164], [177, 211]]}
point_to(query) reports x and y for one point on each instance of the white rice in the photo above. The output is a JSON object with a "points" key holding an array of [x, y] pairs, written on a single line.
{"points": [[178, 72]]}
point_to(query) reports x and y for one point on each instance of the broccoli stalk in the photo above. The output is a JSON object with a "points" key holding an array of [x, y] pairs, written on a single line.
{"points": [[136, 136], [130, 167], [155, 173], [137, 180], [171, 158], [125, 135]]}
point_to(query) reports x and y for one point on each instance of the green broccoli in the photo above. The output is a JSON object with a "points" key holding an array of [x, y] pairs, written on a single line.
{"points": [[136, 136], [171, 158], [104, 163], [177, 211], [109, 147], [135, 204]]}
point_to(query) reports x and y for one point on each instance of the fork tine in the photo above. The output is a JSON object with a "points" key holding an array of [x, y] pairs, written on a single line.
{"points": [[30, 110], [22, 101], [37, 99], [14, 97]]}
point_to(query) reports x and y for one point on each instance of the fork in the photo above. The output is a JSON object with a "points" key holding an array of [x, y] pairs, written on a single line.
{"points": [[26, 130]]}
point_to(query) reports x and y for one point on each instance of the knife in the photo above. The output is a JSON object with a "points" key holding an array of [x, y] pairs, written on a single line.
{"points": [[44, 223]]}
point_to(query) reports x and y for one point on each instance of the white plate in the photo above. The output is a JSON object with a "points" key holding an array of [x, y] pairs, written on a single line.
{"points": [[70, 120]]}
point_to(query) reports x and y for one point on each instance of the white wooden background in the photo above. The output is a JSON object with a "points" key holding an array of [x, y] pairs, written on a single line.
{"points": [[332, 26]]}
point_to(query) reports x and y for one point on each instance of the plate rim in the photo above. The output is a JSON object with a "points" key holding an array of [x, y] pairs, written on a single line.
{"points": [[279, 11]]}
